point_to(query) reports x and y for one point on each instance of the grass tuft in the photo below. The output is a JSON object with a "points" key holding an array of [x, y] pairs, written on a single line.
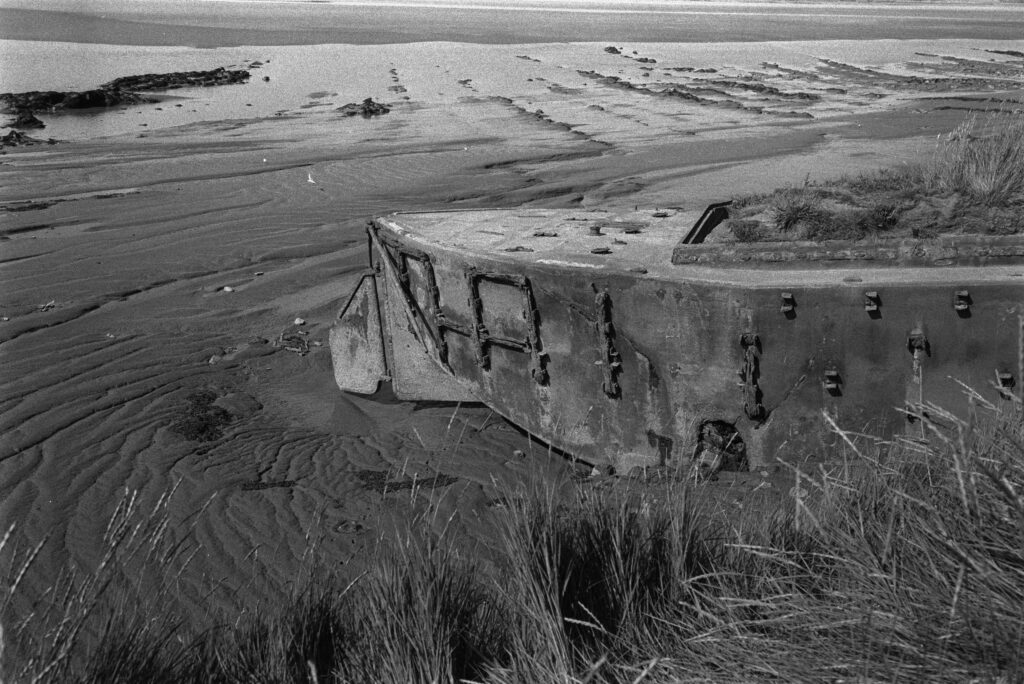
{"points": [[972, 183], [904, 565]]}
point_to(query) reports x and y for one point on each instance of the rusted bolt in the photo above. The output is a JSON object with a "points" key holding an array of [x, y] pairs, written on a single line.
{"points": [[917, 342], [1005, 383], [788, 303], [833, 382], [961, 301], [871, 301]]}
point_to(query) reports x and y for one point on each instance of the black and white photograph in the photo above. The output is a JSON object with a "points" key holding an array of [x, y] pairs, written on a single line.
{"points": [[511, 341]]}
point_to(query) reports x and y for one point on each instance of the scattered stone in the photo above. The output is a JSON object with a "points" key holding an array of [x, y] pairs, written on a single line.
{"points": [[300, 321], [293, 342], [367, 108], [25, 120], [612, 50], [119, 92], [227, 288], [19, 139], [256, 485]]}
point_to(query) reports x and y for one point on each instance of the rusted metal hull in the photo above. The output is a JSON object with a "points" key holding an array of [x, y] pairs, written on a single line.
{"points": [[650, 364]]}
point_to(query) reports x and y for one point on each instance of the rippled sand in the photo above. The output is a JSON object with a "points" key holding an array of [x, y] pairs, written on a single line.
{"points": [[116, 252]]}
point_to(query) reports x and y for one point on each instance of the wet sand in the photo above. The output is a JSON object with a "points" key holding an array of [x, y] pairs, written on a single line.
{"points": [[155, 261]]}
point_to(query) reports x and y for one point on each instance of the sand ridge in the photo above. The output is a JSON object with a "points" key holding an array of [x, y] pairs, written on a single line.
{"points": [[143, 265]]}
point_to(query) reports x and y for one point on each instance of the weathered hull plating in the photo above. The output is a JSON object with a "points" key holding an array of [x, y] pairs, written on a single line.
{"points": [[631, 360]]}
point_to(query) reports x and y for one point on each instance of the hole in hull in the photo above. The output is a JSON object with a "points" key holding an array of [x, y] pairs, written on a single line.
{"points": [[720, 447]]}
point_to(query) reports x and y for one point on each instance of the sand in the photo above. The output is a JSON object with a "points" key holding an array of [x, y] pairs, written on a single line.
{"points": [[163, 250]]}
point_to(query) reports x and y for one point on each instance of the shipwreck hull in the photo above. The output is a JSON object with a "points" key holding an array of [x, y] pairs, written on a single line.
{"points": [[588, 332]]}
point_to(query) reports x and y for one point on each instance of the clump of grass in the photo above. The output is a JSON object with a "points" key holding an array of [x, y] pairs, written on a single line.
{"points": [[747, 230], [905, 565], [424, 614], [972, 183], [985, 163], [108, 624], [853, 224], [587, 574], [794, 206]]}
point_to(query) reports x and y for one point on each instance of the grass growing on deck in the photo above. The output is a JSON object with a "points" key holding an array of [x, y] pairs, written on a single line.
{"points": [[908, 565], [972, 183]]}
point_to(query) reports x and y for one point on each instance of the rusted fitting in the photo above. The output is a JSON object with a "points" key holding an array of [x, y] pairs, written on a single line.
{"points": [[961, 301], [1005, 384], [750, 375], [917, 342], [833, 382], [610, 361], [788, 303]]}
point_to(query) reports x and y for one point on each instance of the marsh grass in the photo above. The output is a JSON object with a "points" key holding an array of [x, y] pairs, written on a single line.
{"points": [[903, 564], [971, 182]]}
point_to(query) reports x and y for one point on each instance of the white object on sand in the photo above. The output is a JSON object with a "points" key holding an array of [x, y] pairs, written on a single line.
{"points": [[309, 178], [300, 321], [228, 288]]}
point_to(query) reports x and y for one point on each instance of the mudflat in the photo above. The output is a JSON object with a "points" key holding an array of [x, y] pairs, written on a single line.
{"points": [[169, 270]]}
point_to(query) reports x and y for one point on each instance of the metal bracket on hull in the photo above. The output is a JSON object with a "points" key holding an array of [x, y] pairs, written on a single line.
{"points": [[611, 363], [750, 375], [712, 216], [482, 339], [424, 332], [357, 340]]}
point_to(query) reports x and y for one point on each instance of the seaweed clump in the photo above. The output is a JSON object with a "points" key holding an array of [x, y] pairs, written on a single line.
{"points": [[200, 420]]}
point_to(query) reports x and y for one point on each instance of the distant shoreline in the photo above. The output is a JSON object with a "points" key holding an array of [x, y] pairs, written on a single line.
{"points": [[225, 23]]}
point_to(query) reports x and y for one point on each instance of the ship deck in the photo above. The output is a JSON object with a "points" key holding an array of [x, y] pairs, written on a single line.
{"points": [[641, 244]]}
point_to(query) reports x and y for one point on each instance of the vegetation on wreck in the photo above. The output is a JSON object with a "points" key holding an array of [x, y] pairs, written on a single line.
{"points": [[973, 183], [906, 563]]}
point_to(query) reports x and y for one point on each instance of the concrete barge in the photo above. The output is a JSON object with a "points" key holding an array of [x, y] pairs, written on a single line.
{"points": [[628, 340]]}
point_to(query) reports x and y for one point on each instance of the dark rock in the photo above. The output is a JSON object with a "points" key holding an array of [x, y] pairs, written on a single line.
{"points": [[19, 139], [121, 91], [612, 50], [25, 120], [366, 109], [178, 79], [266, 79]]}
